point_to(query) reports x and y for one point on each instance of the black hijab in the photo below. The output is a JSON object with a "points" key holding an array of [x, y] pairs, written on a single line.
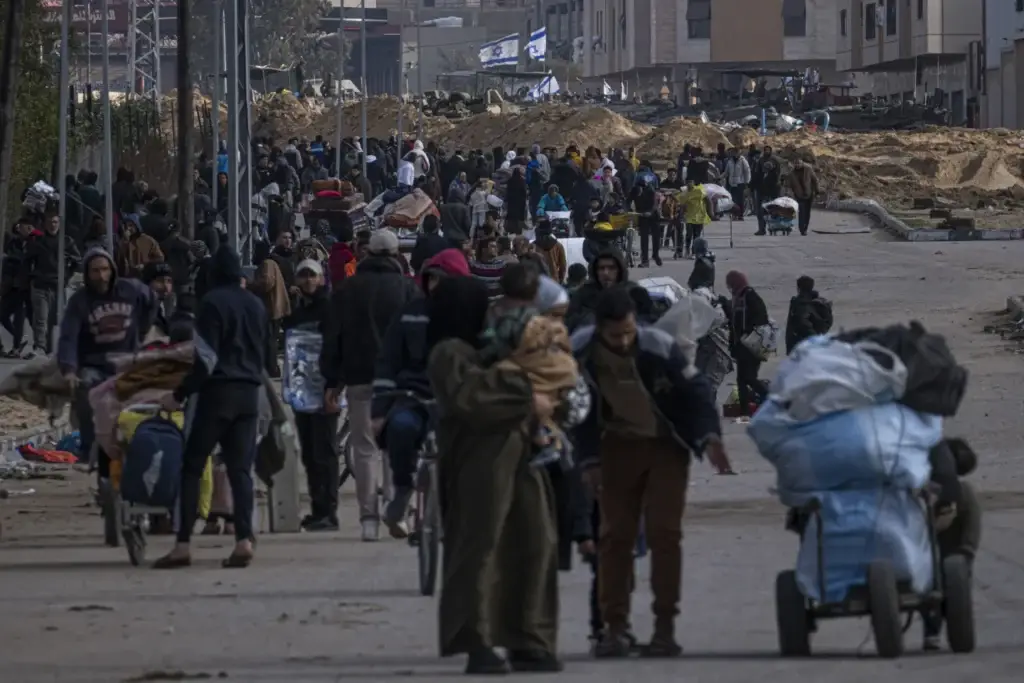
{"points": [[457, 310]]}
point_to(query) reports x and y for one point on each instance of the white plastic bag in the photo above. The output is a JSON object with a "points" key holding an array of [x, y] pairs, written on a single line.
{"points": [[690, 318], [824, 375], [763, 340]]}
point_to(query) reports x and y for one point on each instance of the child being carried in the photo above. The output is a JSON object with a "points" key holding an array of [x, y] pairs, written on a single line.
{"points": [[520, 336]]}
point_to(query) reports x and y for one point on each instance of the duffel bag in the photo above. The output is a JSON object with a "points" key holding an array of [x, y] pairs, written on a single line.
{"points": [[153, 462]]}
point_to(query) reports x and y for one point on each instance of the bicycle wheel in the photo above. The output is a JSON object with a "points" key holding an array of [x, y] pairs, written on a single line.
{"points": [[429, 547]]}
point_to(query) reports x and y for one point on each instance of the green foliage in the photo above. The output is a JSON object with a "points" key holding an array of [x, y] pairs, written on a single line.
{"points": [[37, 102]]}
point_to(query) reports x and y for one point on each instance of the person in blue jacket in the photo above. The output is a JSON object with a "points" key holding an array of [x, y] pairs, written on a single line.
{"points": [[552, 201]]}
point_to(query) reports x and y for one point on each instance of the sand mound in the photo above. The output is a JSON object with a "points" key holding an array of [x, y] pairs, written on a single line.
{"points": [[743, 137], [667, 140], [381, 120], [18, 416], [962, 165], [555, 125]]}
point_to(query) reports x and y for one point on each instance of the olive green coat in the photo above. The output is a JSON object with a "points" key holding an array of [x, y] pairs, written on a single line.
{"points": [[500, 573]]}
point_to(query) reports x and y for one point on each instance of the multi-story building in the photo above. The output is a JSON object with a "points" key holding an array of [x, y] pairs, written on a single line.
{"points": [[564, 22], [647, 44], [915, 49], [1002, 103]]}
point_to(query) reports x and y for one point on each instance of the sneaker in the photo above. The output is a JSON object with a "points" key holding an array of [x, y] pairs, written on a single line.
{"points": [[645, 264], [31, 354], [613, 646], [371, 530], [657, 261], [662, 646], [396, 512], [323, 524], [307, 520]]}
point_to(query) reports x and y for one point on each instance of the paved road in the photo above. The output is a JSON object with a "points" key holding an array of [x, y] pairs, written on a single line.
{"points": [[318, 609]]}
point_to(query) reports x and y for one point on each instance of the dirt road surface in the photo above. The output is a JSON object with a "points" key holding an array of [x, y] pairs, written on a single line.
{"points": [[325, 608]]}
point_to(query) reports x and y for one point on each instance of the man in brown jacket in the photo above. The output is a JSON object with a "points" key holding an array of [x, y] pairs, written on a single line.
{"points": [[804, 186], [552, 251]]}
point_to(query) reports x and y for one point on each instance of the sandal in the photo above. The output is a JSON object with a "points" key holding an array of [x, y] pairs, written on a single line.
{"points": [[172, 562]]}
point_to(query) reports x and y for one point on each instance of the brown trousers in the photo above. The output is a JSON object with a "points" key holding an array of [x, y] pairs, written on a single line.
{"points": [[648, 477]]}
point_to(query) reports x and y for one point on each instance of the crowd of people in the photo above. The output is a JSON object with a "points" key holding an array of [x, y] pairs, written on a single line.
{"points": [[546, 440]]}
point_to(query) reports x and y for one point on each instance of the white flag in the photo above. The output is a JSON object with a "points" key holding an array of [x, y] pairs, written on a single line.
{"points": [[607, 90], [500, 52], [538, 45], [622, 90]]}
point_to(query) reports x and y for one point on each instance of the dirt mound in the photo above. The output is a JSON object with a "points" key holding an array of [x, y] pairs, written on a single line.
{"points": [[667, 141], [381, 120], [18, 416], [277, 115], [961, 165], [548, 125], [743, 137]]}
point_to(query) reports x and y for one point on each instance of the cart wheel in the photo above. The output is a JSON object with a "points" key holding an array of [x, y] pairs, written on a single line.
{"points": [[135, 542], [791, 616], [429, 547], [958, 603], [884, 603], [345, 449]]}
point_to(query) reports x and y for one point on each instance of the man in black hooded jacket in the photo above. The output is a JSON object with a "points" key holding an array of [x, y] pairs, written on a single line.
{"points": [[607, 269], [225, 382], [809, 314]]}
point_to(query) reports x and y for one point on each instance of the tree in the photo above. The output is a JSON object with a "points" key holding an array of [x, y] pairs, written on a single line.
{"points": [[280, 31], [37, 102]]}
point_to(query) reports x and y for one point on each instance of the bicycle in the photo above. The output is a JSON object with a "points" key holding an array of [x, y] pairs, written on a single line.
{"points": [[425, 515]]}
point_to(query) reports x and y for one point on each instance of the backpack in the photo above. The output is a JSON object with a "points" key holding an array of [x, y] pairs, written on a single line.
{"points": [[153, 462], [822, 315]]}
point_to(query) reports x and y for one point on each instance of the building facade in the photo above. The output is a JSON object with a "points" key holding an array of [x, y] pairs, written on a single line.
{"points": [[1002, 103], [648, 44], [916, 50]]}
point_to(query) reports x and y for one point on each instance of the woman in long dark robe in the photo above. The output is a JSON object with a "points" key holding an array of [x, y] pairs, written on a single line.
{"points": [[500, 584], [515, 203]]}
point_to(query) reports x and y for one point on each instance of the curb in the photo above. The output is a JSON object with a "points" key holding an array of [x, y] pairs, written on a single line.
{"points": [[39, 434], [901, 230], [1015, 305]]}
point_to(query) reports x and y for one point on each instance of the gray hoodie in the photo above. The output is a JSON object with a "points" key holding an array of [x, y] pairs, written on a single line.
{"points": [[95, 325]]}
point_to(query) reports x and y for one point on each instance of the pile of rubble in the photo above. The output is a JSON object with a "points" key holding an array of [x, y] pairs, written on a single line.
{"points": [[667, 140], [18, 416]]}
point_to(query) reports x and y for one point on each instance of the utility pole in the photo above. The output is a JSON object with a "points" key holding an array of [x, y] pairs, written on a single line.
{"points": [[341, 88], [107, 163], [186, 118], [403, 81], [362, 50], [419, 75], [8, 83], [218, 26], [62, 158]]}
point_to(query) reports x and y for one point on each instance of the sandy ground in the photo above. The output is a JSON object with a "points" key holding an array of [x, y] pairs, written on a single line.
{"points": [[324, 608]]}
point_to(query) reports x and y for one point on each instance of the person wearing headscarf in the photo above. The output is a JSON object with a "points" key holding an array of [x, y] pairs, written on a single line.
{"points": [[747, 313], [516, 200], [510, 156], [500, 583]]}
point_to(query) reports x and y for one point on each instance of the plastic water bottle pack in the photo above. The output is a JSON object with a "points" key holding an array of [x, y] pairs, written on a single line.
{"points": [[303, 385]]}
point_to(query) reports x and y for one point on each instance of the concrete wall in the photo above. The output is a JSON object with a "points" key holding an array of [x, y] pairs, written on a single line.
{"points": [[1003, 25], [822, 33]]}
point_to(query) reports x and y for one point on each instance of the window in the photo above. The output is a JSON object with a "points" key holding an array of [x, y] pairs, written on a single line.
{"points": [[842, 22], [920, 9], [698, 20], [611, 29], [1020, 5], [794, 18], [622, 23], [870, 19], [890, 18], [599, 27]]}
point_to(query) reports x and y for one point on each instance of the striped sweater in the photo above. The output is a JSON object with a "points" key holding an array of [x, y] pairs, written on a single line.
{"points": [[489, 273]]}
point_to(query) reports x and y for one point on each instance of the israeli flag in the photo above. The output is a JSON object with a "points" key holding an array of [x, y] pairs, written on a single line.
{"points": [[538, 45], [548, 86], [500, 52]]}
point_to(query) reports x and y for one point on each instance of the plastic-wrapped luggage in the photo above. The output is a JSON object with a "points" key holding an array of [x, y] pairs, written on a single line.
{"points": [[303, 385], [408, 211], [861, 526]]}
